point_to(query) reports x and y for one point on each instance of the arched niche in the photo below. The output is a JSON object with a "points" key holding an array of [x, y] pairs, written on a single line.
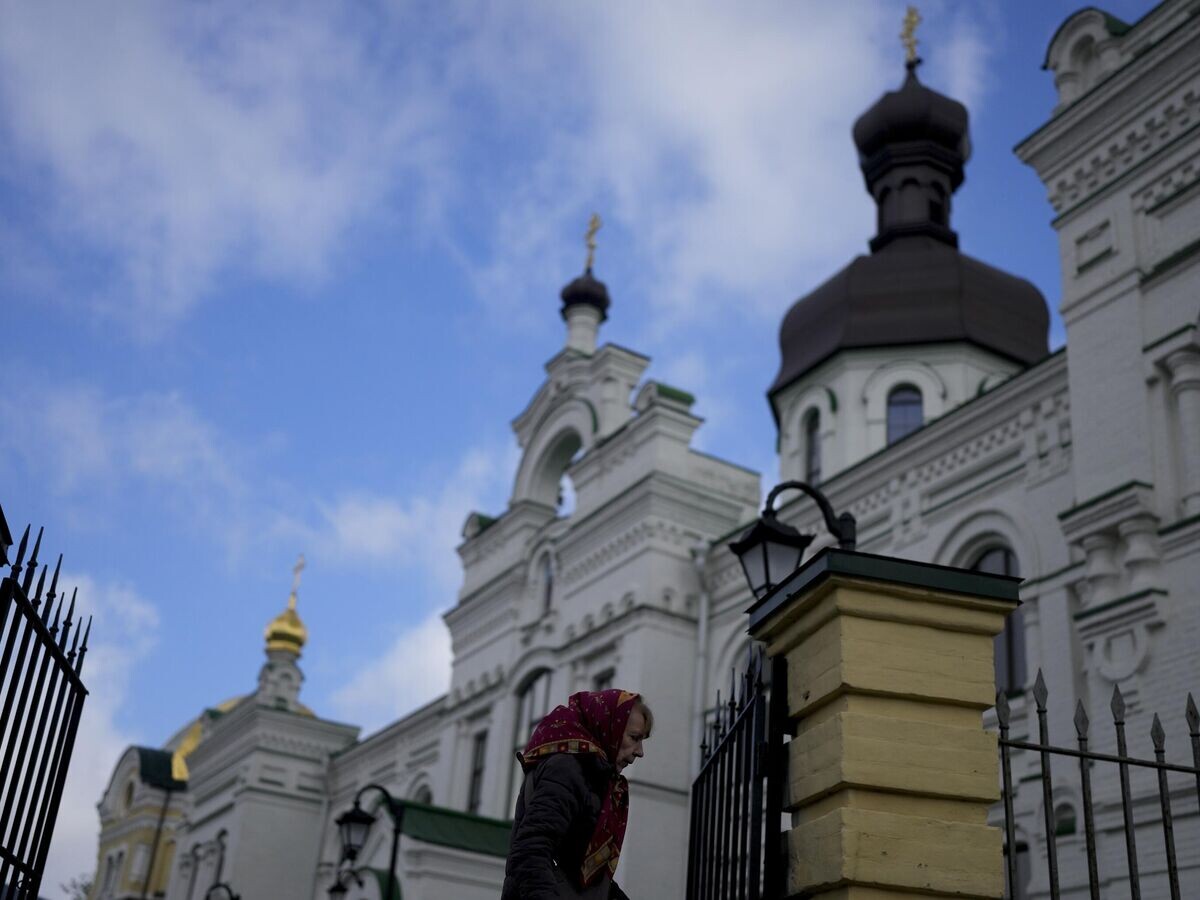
{"points": [[567, 430], [973, 534], [793, 442], [883, 380]]}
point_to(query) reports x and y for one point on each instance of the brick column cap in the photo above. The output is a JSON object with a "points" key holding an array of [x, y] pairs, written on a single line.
{"points": [[832, 561]]}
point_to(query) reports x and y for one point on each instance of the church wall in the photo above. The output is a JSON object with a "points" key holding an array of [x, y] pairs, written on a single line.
{"points": [[849, 392]]}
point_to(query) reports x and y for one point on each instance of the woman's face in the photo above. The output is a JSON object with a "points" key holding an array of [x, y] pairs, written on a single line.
{"points": [[631, 741]]}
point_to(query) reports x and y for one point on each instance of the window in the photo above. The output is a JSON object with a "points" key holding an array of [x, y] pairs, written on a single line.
{"points": [[478, 757], [533, 702], [547, 582], [812, 447], [905, 412], [1010, 643], [604, 680], [423, 794]]}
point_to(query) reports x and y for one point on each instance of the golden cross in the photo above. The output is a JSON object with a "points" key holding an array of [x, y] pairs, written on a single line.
{"points": [[296, 570], [908, 34], [593, 226]]}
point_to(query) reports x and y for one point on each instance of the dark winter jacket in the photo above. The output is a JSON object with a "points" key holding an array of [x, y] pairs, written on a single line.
{"points": [[551, 834]]}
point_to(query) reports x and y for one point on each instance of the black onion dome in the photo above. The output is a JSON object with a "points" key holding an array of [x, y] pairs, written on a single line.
{"points": [[912, 115], [587, 290], [916, 291], [915, 287]]}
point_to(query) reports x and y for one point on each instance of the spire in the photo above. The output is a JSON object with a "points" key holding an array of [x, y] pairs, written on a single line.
{"points": [[585, 299], [912, 146], [286, 632]]}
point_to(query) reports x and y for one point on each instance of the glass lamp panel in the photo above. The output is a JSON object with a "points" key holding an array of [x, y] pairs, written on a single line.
{"points": [[353, 827], [754, 564], [782, 560]]}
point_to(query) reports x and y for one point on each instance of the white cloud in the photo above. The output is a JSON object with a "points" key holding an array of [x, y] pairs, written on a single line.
{"points": [[420, 531], [414, 670], [125, 630], [184, 140]]}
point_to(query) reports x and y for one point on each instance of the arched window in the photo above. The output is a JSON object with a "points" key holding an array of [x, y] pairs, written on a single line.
{"points": [[905, 412], [937, 206], [1010, 643], [423, 794], [812, 447], [547, 582], [533, 702], [129, 796]]}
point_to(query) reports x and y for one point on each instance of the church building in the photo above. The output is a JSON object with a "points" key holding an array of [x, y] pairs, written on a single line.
{"points": [[916, 387]]}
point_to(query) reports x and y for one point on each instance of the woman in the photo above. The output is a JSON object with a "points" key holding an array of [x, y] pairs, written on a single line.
{"points": [[570, 817]]}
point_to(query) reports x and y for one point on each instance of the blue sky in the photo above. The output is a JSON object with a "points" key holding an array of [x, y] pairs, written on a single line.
{"points": [[275, 279]]}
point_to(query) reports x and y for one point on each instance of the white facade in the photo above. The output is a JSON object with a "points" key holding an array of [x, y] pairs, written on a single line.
{"points": [[1086, 467]]}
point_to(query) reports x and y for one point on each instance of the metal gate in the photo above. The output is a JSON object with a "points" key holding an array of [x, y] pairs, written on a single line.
{"points": [[735, 845], [1120, 871], [40, 661]]}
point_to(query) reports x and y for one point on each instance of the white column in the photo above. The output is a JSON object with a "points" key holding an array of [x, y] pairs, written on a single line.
{"points": [[1184, 366]]}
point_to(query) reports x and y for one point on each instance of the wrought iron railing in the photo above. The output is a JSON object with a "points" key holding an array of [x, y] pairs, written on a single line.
{"points": [[42, 694], [1086, 759], [734, 842]]}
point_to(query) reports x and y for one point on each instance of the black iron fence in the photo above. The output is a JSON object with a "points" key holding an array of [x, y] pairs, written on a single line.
{"points": [[1119, 872], [734, 842], [42, 694]]}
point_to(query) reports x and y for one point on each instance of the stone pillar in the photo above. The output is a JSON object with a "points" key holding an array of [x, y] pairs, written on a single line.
{"points": [[583, 326], [1184, 366], [890, 772]]}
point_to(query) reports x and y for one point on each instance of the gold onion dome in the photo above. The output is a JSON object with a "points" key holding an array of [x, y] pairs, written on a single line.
{"points": [[286, 631]]}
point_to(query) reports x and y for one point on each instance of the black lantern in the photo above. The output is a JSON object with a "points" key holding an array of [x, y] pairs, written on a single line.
{"points": [[338, 891], [215, 892], [770, 551], [353, 826]]}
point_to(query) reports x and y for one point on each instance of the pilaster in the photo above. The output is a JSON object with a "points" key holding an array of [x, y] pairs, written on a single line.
{"points": [[890, 770]]}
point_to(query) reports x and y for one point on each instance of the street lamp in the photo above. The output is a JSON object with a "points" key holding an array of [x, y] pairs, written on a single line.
{"points": [[338, 889], [354, 824], [770, 551], [211, 893]]}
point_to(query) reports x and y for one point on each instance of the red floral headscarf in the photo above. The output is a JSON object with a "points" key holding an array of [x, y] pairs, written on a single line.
{"points": [[591, 722]]}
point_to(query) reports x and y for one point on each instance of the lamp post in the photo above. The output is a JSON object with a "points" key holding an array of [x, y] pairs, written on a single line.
{"points": [[213, 892], [770, 551], [338, 890], [354, 824]]}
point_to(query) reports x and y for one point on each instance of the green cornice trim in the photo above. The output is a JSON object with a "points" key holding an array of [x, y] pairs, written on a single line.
{"points": [[673, 393], [1182, 523], [1179, 256], [452, 828], [1171, 197], [1041, 579], [1106, 253], [832, 562], [1120, 601], [1166, 337], [1066, 514]]}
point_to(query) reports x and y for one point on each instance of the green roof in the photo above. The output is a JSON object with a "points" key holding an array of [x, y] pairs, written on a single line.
{"points": [[451, 828]]}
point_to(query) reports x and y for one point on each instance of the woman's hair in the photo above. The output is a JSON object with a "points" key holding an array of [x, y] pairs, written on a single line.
{"points": [[646, 713]]}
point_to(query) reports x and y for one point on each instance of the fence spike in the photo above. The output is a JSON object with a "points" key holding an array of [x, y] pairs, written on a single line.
{"points": [[16, 566], [54, 580], [62, 640], [57, 618], [1193, 716], [5, 538], [1157, 734], [84, 649], [31, 569], [1118, 706], [1040, 692], [41, 585], [1002, 709], [1081, 720]]}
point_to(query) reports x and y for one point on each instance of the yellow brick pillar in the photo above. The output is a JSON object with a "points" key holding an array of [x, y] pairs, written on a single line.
{"points": [[890, 772]]}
